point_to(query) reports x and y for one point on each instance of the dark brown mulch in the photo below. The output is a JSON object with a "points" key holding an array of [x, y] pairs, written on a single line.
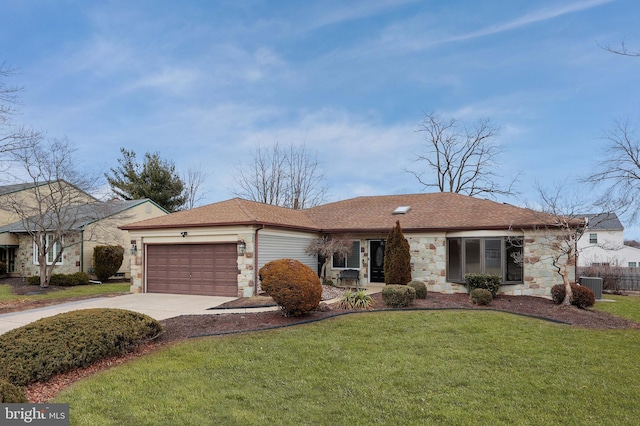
{"points": [[184, 327], [198, 325]]}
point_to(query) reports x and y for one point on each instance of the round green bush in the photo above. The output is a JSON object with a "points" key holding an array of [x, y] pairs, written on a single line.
{"points": [[11, 394], [398, 296], [420, 287], [57, 344], [581, 296], [292, 285], [481, 296]]}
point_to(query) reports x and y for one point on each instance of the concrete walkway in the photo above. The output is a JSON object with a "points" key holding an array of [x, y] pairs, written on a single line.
{"points": [[157, 306]]}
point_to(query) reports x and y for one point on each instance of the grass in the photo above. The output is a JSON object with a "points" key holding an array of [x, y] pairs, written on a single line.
{"points": [[64, 292], [437, 367], [625, 306]]}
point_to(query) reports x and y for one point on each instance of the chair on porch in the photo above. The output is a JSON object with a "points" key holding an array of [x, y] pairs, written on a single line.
{"points": [[349, 274]]}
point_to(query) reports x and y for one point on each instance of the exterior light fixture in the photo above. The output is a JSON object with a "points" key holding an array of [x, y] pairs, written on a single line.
{"points": [[184, 234], [134, 249], [242, 247]]}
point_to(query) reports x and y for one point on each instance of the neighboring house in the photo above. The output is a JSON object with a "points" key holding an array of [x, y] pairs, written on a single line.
{"points": [[218, 249], [90, 223], [24, 196], [603, 243]]}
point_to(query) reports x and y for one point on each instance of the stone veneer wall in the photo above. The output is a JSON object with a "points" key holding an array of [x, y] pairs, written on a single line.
{"points": [[70, 257], [429, 257]]}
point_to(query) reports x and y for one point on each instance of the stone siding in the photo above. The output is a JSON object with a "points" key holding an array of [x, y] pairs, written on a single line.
{"points": [[70, 257]]}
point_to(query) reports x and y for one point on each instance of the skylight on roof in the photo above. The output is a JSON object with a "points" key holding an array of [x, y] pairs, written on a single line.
{"points": [[402, 210]]}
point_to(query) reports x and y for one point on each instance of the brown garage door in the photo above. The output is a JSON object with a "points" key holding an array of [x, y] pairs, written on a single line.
{"points": [[204, 269]]}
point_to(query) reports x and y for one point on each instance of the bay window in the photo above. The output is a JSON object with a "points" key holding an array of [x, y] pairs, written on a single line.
{"points": [[490, 255]]}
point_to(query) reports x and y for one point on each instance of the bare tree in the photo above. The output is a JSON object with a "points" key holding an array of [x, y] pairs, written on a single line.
{"points": [[287, 177], [193, 179], [326, 247], [55, 203], [460, 159], [563, 227], [618, 170], [622, 50], [12, 136]]}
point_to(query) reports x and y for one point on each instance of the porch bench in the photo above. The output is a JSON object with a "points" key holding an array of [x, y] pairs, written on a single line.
{"points": [[349, 274]]}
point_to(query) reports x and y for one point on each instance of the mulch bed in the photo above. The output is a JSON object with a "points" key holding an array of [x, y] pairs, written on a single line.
{"points": [[189, 326]]}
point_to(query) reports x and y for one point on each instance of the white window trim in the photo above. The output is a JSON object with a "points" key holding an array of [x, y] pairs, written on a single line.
{"points": [[55, 250], [337, 268]]}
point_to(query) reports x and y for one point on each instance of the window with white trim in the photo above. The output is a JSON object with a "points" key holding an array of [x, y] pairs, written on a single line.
{"points": [[632, 265], [54, 248], [499, 256], [593, 238], [352, 261]]}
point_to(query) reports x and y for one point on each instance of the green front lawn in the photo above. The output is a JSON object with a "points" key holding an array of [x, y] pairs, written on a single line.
{"points": [[398, 368], [63, 292], [624, 306]]}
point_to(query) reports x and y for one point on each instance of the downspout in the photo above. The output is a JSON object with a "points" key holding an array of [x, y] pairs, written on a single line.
{"points": [[82, 250], [256, 275]]}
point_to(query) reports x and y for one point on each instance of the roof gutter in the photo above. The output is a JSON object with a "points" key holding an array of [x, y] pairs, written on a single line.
{"points": [[256, 275]]}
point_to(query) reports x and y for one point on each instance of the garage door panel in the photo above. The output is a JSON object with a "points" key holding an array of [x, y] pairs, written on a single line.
{"points": [[206, 269]]}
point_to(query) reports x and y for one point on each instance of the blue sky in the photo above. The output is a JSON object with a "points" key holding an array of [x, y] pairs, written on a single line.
{"points": [[202, 82]]}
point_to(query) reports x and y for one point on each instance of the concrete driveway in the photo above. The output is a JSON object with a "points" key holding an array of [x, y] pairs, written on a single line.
{"points": [[157, 306]]}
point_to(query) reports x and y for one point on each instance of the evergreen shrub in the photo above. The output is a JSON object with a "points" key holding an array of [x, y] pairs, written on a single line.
{"points": [[420, 287], [293, 286], [397, 257], [489, 282], [481, 296], [398, 296], [106, 261], [11, 394], [57, 344], [581, 296]]}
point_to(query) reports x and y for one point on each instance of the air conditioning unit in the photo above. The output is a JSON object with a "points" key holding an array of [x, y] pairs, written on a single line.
{"points": [[592, 283]]}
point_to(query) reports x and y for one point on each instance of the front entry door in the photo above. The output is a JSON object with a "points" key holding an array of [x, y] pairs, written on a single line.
{"points": [[376, 260]]}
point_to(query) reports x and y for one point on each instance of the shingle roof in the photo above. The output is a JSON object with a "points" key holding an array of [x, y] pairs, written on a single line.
{"points": [[435, 211], [235, 211], [608, 221], [80, 216]]}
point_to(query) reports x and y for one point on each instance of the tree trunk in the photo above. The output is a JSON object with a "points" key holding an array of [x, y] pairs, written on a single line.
{"points": [[567, 287], [44, 279]]}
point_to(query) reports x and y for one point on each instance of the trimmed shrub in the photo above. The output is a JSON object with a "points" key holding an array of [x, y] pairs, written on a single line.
{"points": [[581, 296], [57, 344], [398, 296], [11, 394], [489, 282], [292, 285], [481, 296], [397, 257], [107, 260], [420, 287], [62, 280], [356, 300]]}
